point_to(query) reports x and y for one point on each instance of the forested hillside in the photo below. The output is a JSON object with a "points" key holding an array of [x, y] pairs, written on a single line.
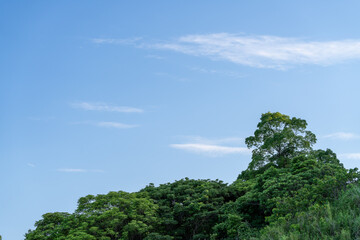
{"points": [[288, 191]]}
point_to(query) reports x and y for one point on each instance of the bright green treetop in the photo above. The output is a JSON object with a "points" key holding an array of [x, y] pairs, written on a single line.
{"points": [[277, 139]]}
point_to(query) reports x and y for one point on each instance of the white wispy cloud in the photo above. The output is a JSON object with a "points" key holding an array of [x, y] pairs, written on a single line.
{"points": [[105, 107], [78, 170], [264, 51], [213, 147], [215, 141], [354, 156], [155, 56], [116, 40], [44, 119], [115, 125], [106, 124], [226, 73], [171, 76], [211, 150], [31, 165], [342, 136]]}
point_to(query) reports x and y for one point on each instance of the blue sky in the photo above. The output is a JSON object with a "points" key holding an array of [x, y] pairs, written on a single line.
{"points": [[99, 96]]}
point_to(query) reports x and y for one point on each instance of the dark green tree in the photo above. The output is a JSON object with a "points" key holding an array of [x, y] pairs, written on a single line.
{"points": [[189, 208], [286, 175], [55, 225], [116, 215]]}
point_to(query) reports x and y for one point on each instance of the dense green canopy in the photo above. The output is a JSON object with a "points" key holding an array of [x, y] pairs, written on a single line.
{"points": [[190, 208], [289, 191]]}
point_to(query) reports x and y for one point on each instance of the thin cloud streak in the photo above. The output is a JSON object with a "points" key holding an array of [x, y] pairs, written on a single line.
{"points": [[212, 141], [78, 170], [155, 57], [264, 51], [342, 136], [354, 156], [105, 107], [211, 150], [116, 125], [107, 124], [116, 40], [230, 74]]}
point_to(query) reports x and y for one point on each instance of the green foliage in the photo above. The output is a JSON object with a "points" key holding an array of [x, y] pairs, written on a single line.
{"points": [[157, 236], [52, 226], [282, 192], [232, 224], [189, 208], [339, 220], [277, 139], [289, 191], [286, 175], [308, 180], [116, 215]]}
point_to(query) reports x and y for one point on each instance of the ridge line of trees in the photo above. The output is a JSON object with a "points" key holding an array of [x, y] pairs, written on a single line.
{"points": [[288, 191]]}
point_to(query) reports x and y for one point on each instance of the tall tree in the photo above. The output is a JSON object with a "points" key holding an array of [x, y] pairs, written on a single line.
{"points": [[277, 139]]}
